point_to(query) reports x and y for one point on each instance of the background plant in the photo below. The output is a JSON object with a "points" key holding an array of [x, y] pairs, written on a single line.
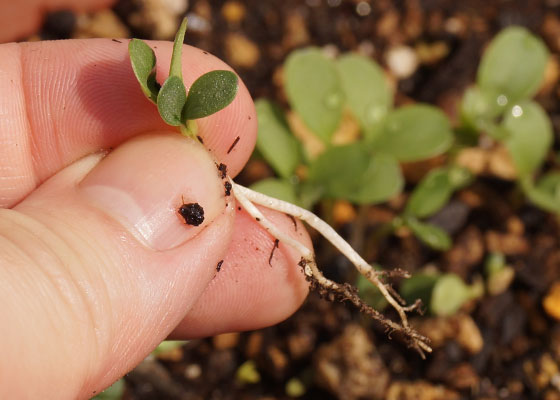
{"points": [[323, 93]]}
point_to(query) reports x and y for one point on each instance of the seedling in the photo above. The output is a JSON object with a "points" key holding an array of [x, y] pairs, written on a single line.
{"points": [[212, 92]]}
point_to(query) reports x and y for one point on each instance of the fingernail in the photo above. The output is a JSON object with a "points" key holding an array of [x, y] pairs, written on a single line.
{"points": [[144, 183]]}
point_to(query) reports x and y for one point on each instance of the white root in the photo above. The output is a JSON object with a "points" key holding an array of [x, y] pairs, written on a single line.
{"points": [[247, 198]]}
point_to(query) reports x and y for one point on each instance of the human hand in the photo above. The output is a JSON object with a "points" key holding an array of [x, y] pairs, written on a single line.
{"points": [[96, 265], [21, 18]]}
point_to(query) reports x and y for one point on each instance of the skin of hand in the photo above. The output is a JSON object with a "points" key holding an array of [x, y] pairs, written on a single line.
{"points": [[96, 265], [22, 18]]}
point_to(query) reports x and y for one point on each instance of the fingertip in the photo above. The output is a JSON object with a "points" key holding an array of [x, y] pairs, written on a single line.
{"points": [[256, 286]]}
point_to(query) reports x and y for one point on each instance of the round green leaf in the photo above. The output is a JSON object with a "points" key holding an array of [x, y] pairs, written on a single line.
{"points": [[414, 132], [368, 94], [550, 183], [429, 234], [434, 191], [480, 107], [276, 188], [314, 91], [546, 194], [171, 100], [448, 295], [530, 136], [210, 93], [513, 64], [381, 181], [143, 61], [338, 169], [418, 286], [350, 172], [275, 141]]}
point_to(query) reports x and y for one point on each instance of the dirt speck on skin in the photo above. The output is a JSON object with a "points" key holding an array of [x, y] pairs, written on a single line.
{"points": [[227, 186], [193, 213]]}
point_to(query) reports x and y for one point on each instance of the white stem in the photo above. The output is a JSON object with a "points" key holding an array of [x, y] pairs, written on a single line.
{"points": [[250, 196]]}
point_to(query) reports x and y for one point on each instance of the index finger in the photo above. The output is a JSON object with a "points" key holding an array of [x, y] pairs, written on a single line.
{"points": [[71, 98]]}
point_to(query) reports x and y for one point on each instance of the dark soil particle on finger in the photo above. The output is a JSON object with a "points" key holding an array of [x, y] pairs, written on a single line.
{"points": [[193, 213], [222, 169], [227, 186]]}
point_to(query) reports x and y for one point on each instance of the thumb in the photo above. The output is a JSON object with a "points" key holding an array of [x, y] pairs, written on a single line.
{"points": [[97, 266]]}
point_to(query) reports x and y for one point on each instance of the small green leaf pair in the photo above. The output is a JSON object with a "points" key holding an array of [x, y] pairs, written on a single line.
{"points": [[208, 94]]}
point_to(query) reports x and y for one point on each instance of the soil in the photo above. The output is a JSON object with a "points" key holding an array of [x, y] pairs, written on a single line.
{"points": [[505, 345]]}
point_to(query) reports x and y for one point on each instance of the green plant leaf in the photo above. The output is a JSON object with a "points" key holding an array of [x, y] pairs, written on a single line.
{"points": [[210, 93], [418, 286], [435, 190], [513, 64], [414, 132], [381, 181], [310, 193], [314, 91], [350, 172], [171, 100], [367, 91], [429, 234], [550, 183], [277, 188], [448, 295], [546, 194], [143, 61], [113, 392], [479, 108], [530, 136], [175, 68], [275, 141]]}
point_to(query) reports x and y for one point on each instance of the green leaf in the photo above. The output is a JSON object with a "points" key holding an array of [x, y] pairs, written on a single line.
{"points": [[367, 91], [434, 191], [530, 136], [175, 68], [314, 91], [210, 93], [275, 141], [276, 188], [429, 234], [143, 61], [449, 294], [113, 392], [350, 172], [418, 286], [546, 194], [171, 100], [414, 132], [513, 64], [381, 181], [550, 184], [480, 107]]}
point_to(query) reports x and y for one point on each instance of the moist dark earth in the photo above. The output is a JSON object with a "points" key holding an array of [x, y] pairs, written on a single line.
{"points": [[502, 346]]}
